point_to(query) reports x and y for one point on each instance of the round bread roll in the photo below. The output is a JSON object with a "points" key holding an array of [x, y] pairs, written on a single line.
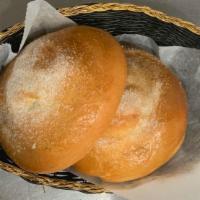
{"points": [[59, 96], [148, 128]]}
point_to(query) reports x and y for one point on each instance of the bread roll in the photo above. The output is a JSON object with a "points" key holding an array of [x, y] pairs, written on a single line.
{"points": [[148, 128], [59, 95]]}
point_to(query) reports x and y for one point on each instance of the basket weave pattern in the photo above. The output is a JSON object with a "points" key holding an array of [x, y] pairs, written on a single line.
{"points": [[70, 11]]}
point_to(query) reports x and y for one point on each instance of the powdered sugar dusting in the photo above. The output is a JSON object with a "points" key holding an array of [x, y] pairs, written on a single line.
{"points": [[34, 146], [144, 152], [138, 117], [35, 80], [133, 101], [88, 119]]}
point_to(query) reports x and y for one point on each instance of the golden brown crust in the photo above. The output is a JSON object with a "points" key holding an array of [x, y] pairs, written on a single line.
{"points": [[148, 128], [57, 97]]}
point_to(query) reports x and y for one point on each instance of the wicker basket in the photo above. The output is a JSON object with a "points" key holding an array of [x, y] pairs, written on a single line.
{"points": [[117, 19]]}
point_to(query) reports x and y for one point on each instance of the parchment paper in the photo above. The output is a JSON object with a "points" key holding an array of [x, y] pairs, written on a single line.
{"points": [[42, 18]]}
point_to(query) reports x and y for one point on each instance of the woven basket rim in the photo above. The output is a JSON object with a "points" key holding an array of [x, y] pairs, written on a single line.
{"points": [[100, 7], [81, 9], [58, 183]]}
